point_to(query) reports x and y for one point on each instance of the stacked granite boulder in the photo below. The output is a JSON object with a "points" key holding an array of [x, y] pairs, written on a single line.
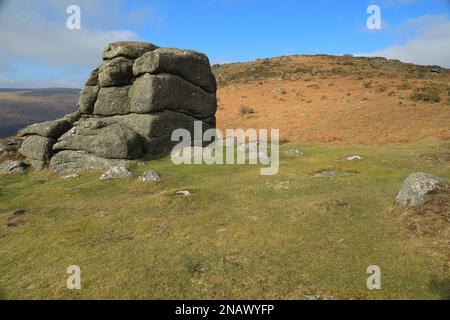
{"points": [[128, 110]]}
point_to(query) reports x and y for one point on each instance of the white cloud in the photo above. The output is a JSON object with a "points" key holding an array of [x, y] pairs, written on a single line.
{"points": [[34, 34], [427, 42]]}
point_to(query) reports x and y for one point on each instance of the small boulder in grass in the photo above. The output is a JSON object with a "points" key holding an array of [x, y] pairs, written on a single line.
{"points": [[183, 193], [71, 176], [416, 188], [150, 177], [116, 173], [353, 158]]}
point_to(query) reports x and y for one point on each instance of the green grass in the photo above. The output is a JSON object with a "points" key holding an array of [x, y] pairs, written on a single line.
{"points": [[234, 238]]}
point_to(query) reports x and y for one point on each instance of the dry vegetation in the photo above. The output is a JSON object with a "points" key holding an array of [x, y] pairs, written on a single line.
{"points": [[337, 100]]}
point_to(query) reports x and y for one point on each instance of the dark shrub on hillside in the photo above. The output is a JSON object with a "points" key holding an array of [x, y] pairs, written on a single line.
{"points": [[427, 94]]}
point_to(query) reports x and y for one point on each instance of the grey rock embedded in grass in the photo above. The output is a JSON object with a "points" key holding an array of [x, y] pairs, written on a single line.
{"points": [[10, 167], [416, 187], [279, 185], [294, 152], [128, 109], [116, 173], [183, 193], [352, 158], [150, 176], [334, 173], [71, 176]]}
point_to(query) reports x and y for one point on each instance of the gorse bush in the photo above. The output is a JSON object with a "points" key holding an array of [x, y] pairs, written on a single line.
{"points": [[245, 110], [404, 86], [426, 94]]}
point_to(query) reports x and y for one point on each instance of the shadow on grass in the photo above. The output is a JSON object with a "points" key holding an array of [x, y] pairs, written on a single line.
{"points": [[441, 286]]}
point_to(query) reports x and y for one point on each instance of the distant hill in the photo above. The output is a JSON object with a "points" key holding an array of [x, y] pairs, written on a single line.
{"points": [[21, 107]]}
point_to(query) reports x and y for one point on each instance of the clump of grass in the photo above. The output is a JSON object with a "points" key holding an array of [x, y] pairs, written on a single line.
{"points": [[420, 74], [246, 110], [404, 86], [368, 84], [381, 88], [426, 94]]}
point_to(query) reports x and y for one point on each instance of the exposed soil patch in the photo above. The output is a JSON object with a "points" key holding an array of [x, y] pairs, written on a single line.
{"points": [[17, 218], [435, 158], [430, 219]]}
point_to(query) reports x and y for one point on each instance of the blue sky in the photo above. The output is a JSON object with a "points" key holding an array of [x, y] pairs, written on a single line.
{"points": [[39, 51]]}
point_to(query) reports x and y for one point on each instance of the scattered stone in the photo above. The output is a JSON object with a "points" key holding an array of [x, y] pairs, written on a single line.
{"points": [[183, 193], [334, 173], [10, 167], [279, 185], [352, 158], [416, 187], [71, 176], [150, 176], [116, 173], [294, 153]]}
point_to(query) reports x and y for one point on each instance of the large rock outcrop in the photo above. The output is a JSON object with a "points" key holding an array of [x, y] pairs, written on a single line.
{"points": [[128, 109]]}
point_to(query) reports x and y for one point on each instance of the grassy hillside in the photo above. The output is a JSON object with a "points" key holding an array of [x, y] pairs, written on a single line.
{"points": [[336, 100], [239, 235]]}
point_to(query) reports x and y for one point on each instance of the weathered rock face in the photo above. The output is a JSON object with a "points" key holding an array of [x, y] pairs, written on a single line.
{"points": [[128, 110]]}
